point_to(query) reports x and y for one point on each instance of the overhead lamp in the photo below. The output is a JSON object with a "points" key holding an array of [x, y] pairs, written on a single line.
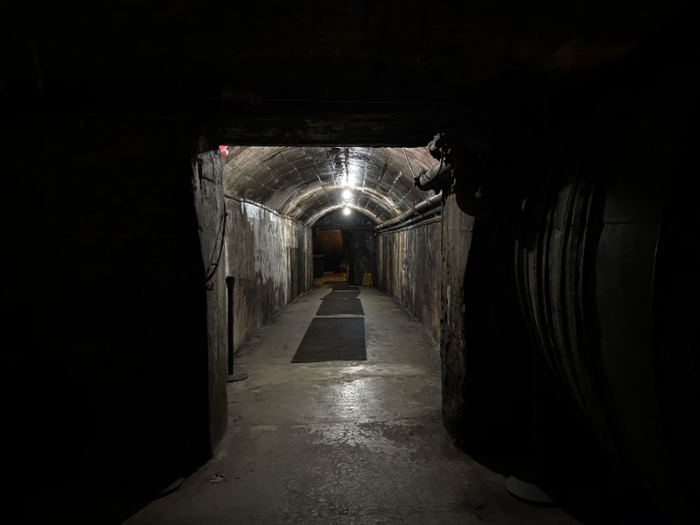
{"points": [[351, 176], [346, 211], [347, 194]]}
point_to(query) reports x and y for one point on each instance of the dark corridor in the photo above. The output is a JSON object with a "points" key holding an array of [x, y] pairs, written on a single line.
{"points": [[519, 179]]}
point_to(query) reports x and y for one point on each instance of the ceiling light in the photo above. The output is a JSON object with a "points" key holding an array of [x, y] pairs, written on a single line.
{"points": [[347, 194], [346, 211], [351, 176]]}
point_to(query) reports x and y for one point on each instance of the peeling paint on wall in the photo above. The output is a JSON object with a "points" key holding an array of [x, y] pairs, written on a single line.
{"points": [[209, 203], [270, 258], [363, 256], [408, 267]]}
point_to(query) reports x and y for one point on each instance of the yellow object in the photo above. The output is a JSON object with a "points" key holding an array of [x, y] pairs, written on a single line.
{"points": [[367, 281]]}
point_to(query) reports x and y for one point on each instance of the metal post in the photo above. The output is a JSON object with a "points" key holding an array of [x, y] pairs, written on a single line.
{"points": [[240, 376]]}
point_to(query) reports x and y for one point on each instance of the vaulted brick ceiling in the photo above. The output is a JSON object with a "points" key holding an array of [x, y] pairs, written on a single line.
{"points": [[304, 183]]}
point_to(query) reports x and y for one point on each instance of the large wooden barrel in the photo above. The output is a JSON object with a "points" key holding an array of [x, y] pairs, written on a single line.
{"points": [[607, 277]]}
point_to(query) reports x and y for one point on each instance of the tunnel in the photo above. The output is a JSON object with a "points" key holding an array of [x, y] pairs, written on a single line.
{"points": [[350, 263]]}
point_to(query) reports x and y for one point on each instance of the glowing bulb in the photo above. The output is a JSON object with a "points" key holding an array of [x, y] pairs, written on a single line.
{"points": [[346, 211], [347, 194]]}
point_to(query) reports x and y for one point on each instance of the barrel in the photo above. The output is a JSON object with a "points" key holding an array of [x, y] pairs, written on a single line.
{"points": [[605, 282]]}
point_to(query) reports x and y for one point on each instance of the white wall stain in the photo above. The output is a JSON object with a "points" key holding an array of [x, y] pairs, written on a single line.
{"points": [[266, 254]]}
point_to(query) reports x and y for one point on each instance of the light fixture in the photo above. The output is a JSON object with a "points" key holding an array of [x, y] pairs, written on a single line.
{"points": [[346, 211], [347, 194]]}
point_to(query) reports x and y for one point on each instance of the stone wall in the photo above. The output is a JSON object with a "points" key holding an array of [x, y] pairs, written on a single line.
{"points": [[271, 259], [408, 267]]}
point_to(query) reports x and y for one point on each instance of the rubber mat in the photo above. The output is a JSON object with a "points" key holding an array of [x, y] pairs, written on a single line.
{"points": [[333, 340], [333, 306], [343, 285], [342, 294]]}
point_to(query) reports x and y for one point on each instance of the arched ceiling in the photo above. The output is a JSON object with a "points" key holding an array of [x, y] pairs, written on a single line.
{"points": [[340, 220], [304, 183]]}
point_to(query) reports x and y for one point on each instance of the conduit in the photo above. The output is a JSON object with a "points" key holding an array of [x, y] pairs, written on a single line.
{"points": [[413, 222], [418, 209], [428, 179]]}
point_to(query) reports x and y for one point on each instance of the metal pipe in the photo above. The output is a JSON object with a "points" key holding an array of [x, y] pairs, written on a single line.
{"points": [[410, 222], [427, 179], [428, 204], [434, 147], [396, 220], [418, 209]]}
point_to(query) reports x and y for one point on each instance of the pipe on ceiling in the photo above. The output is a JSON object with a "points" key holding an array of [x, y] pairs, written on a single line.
{"points": [[418, 209], [414, 220], [428, 179]]}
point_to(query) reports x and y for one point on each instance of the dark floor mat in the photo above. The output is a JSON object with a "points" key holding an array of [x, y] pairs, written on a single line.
{"points": [[333, 306], [342, 294], [344, 287], [333, 340]]}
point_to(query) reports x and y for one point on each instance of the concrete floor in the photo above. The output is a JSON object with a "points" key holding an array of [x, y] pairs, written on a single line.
{"points": [[341, 442]]}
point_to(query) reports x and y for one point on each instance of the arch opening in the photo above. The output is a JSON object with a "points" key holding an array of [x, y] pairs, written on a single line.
{"points": [[304, 183], [343, 216]]}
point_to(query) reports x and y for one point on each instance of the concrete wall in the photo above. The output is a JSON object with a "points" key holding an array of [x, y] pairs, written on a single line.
{"points": [[485, 346], [408, 267], [105, 366], [463, 292], [271, 260], [115, 237], [208, 196], [363, 256], [457, 233]]}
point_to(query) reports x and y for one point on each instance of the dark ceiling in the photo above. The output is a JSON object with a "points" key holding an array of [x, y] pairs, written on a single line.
{"points": [[286, 81], [395, 50]]}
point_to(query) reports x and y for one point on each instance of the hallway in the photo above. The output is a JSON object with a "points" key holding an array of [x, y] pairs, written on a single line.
{"points": [[519, 179], [341, 442]]}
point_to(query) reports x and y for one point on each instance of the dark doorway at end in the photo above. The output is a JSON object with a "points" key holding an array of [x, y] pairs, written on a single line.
{"points": [[353, 234]]}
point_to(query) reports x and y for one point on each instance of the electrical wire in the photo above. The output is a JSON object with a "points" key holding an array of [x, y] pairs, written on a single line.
{"points": [[221, 249]]}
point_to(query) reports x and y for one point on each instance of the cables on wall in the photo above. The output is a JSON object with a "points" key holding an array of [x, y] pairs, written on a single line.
{"points": [[221, 249]]}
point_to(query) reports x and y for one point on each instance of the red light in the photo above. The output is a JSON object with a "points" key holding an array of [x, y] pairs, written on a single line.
{"points": [[223, 150]]}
